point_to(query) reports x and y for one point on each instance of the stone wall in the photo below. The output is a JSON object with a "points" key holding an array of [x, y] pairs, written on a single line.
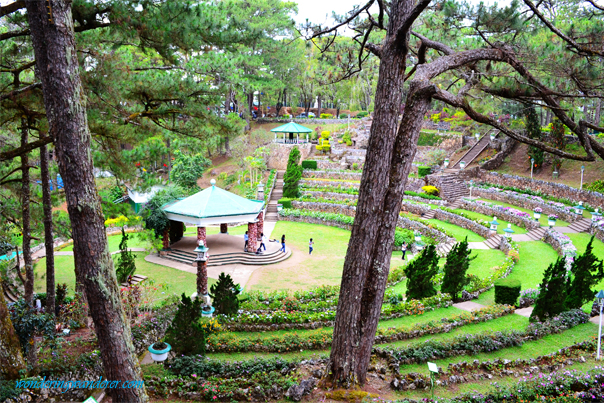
{"points": [[314, 220], [526, 201], [593, 199], [447, 216], [329, 183], [336, 174], [306, 121], [523, 222], [330, 195], [507, 147], [598, 231], [279, 154]]}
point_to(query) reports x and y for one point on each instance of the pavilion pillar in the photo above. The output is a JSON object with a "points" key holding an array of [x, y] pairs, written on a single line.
{"points": [[260, 224], [202, 278], [224, 228], [165, 242], [252, 231], [201, 235]]}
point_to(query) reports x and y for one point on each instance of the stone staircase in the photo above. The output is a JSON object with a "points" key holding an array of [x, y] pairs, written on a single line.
{"points": [[246, 258], [451, 186], [271, 210], [443, 249], [581, 225], [474, 152], [536, 234], [455, 204], [429, 215], [493, 242]]}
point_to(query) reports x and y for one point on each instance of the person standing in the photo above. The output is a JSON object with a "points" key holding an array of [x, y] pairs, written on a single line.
{"points": [[283, 243], [262, 241], [310, 244], [404, 249], [246, 238]]}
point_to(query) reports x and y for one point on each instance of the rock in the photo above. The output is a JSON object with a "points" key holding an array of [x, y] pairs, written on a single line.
{"points": [[295, 393], [309, 384], [412, 386], [317, 373], [213, 172], [258, 394], [595, 309], [276, 392]]}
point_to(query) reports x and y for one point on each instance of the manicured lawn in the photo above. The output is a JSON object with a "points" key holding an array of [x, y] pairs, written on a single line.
{"points": [[535, 256], [458, 232], [502, 224], [114, 243], [176, 281], [486, 260], [542, 219]]}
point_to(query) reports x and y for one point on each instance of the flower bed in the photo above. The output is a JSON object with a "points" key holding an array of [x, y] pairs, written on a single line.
{"points": [[321, 339], [469, 344], [332, 174], [309, 182], [563, 211], [152, 328], [514, 216]]}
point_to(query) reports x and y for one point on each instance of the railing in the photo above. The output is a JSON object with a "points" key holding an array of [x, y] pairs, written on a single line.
{"points": [[290, 141], [121, 199]]}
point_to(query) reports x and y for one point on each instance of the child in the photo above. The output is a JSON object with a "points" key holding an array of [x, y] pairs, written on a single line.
{"points": [[246, 238], [310, 244], [283, 243]]}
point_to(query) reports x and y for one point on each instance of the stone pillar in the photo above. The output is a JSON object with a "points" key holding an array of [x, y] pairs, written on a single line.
{"points": [[166, 238], [224, 228], [202, 279], [201, 235], [252, 231], [260, 223]]}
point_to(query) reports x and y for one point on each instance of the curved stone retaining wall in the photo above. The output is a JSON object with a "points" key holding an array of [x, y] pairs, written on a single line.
{"points": [[330, 195], [342, 174], [452, 218], [593, 199], [523, 222], [598, 231], [319, 182]]}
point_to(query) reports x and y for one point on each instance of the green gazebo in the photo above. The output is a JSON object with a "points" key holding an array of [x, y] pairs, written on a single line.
{"points": [[291, 128]]}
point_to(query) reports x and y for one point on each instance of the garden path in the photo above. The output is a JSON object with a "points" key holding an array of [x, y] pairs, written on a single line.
{"points": [[70, 253], [469, 306], [526, 312]]}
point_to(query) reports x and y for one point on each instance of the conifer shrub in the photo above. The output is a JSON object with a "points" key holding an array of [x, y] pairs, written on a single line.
{"points": [[507, 291], [423, 171], [456, 267], [126, 265], [293, 174], [553, 291], [420, 273], [224, 295], [185, 334], [586, 272], [362, 114]]}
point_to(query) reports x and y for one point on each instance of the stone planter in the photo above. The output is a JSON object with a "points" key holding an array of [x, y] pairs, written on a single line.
{"points": [[159, 355], [551, 223], [208, 313]]}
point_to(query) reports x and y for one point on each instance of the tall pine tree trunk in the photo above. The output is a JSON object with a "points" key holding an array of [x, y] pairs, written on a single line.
{"points": [[11, 359], [57, 66], [597, 112], [26, 217], [48, 235]]}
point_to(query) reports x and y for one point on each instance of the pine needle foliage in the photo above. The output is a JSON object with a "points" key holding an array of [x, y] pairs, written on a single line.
{"points": [[533, 129], [185, 334], [456, 267], [126, 265], [293, 174], [224, 295], [550, 301], [586, 271], [420, 272]]}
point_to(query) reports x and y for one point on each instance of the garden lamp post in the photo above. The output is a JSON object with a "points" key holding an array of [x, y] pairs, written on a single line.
{"points": [[492, 136], [494, 225], [582, 170], [445, 165], [471, 185], [508, 232], [477, 135], [595, 216], [202, 271], [532, 165], [418, 241], [579, 208], [462, 165], [600, 298]]}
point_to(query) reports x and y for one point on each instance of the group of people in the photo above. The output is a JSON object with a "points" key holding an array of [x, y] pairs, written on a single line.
{"points": [[246, 238]]}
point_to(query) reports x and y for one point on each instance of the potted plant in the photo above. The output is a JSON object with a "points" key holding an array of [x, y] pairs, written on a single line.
{"points": [[551, 220], [159, 351], [537, 212], [207, 311]]}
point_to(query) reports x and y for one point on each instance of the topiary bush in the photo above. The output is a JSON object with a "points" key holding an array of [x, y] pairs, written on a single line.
{"points": [[325, 134], [343, 116], [423, 171], [286, 202], [431, 190], [224, 295], [362, 114], [185, 334], [309, 164], [507, 291], [326, 116]]}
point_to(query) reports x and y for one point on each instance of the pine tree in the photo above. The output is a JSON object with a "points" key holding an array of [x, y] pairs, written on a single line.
{"points": [[420, 273], [587, 271], [292, 174], [533, 129], [456, 266], [559, 140], [224, 295], [185, 334], [126, 265], [550, 301]]}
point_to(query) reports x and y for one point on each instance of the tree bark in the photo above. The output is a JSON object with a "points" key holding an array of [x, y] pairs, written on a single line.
{"points": [[48, 235], [57, 65], [26, 217], [597, 112], [11, 359], [368, 257], [319, 106]]}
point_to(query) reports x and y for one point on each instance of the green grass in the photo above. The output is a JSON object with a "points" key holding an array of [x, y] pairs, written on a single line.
{"points": [[535, 256], [542, 219], [486, 260], [502, 223], [458, 232], [114, 243], [176, 281]]}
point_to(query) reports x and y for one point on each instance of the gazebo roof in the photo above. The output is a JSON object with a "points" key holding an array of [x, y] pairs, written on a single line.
{"points": [[213, 205], [291, 127]]}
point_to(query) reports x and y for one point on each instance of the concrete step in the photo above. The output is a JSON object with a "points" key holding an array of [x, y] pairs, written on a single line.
{"points": [[536, 234], [246, 258], [493, 242], [581, 225], [444, 249], [429, 215]]}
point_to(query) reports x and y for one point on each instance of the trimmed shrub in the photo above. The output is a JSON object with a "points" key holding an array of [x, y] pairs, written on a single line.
{"points": [[362, 114], [431, 190], [286, 202], [326, 116], [325, 134], [309, 164], [343, 116], [224, 295], [185, 334], [423, 171], [293, 174], [507, 291]]}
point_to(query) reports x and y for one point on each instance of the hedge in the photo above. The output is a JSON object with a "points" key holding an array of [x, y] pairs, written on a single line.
{"points": [[507, 291], [286, 202], [423, 171], [309, 164]]}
